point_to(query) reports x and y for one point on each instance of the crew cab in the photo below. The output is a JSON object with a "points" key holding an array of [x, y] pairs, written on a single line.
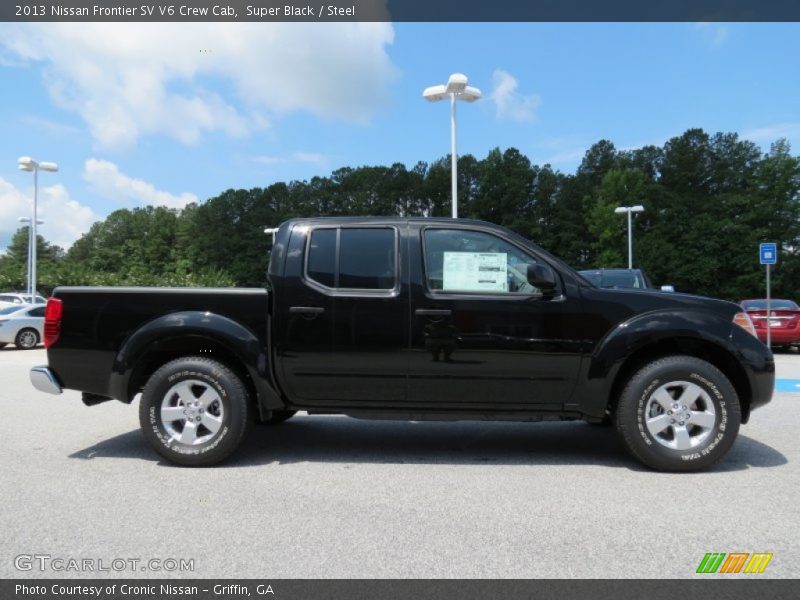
{"points": [[412, 318]]}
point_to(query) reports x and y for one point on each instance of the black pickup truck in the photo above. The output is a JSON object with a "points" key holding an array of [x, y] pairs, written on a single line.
{"points": [[411, 318]]}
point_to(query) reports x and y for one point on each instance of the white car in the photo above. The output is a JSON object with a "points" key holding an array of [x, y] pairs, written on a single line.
{"points": [[22, 326], [18, 300]]}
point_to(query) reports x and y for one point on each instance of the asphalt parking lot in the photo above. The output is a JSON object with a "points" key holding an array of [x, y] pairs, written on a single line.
{"points": [[336, 497]]}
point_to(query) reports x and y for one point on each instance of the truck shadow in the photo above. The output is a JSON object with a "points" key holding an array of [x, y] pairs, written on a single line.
{"points": [[337, 439]]}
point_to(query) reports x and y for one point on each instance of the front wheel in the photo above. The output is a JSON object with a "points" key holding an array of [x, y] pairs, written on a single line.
{"points": [[678, 413], [194, 411]]}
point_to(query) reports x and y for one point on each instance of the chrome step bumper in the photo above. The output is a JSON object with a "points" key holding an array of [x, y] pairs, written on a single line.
{"points": [[43, 380]]}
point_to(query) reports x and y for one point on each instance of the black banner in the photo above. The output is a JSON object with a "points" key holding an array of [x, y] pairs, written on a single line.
{"points": [[738, 588], [399, 10]]}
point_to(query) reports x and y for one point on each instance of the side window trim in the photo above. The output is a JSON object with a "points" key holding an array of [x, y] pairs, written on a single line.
{"points": [[473, 294], [337, 291], [307, 253]]}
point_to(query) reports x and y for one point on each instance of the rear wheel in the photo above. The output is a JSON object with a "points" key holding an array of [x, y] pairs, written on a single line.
{"points": [[678, 413], [27, 339], [194, 411]]}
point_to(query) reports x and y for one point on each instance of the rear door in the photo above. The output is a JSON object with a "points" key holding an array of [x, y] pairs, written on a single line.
{"points": [[345, 335]]}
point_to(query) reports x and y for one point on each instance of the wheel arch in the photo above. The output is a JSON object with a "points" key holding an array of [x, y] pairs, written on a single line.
{"points": [[194, 333], [704, 349]]}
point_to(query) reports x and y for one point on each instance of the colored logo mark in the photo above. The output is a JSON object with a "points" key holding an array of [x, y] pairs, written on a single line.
{"points": [[734, 562]]}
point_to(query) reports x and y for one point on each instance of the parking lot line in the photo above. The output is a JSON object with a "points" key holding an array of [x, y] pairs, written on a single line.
{"points": [[787, 385]]}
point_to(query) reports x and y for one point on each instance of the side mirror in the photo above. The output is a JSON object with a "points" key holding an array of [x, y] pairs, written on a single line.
{"points": [[542, 277], [667, 288]]}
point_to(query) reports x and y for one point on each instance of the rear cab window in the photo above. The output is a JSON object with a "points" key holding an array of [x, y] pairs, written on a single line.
{"points": [[353, 258]]}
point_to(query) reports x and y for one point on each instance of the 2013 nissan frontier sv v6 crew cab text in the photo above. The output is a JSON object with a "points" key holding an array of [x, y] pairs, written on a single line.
{"points": [[406, 318]]}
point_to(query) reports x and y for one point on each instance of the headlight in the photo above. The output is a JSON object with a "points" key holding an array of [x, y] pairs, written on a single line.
{"points": [[742, 319]]}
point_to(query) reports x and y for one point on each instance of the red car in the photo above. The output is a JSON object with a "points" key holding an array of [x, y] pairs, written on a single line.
{"points": [[783, 320]]}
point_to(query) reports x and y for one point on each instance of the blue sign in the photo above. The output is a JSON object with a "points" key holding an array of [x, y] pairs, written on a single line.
{"points": [[768, 253]]}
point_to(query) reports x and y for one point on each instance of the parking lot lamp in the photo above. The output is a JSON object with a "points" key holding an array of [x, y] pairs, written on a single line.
{"points": [[26, 163], [629, 209], [30, 245], [456, 89]]}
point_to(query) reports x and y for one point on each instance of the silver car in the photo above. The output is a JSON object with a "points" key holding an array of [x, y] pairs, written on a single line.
{"points": [[22, 326], [19, 300]]}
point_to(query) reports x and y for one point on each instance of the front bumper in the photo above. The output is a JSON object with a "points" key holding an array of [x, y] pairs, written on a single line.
{"points": [[44, 380]]}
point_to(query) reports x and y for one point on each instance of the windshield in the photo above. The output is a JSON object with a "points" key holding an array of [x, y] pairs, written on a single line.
{"points": [[591, 276], [773, 305], [623, 279], [616, 278], [9, 310]]}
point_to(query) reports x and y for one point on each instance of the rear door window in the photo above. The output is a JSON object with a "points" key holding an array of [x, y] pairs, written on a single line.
{"points": [[353, 258], [367, 259]]}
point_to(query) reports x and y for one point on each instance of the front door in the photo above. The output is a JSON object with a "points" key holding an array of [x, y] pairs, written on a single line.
{"points": [[481, 335]]}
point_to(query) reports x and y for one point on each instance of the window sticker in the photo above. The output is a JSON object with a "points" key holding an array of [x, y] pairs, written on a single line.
{"points": [[475, 272]]}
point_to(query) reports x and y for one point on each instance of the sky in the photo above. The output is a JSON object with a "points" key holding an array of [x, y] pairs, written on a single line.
{"points": [[173, 113]]}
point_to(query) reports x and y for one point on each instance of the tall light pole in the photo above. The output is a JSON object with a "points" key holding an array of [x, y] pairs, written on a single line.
{"points": [[629, 209], [456, 89], [26, 163], [30, 247]]}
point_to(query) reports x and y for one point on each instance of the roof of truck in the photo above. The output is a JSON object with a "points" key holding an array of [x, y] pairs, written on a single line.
{"points": [[393, 219]]}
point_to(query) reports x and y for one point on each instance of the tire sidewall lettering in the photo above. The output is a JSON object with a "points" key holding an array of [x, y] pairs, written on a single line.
{"points": [[640, 406], [158, 428], [718, 433]]}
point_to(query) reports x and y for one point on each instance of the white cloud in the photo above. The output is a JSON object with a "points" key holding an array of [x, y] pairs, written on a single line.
{"points": [[107, 180], [53, 128], [565, 158], [65, 219], [127, 80], [313, 158], [510, 104], [268, 160], [715, 33], [772, 133]]}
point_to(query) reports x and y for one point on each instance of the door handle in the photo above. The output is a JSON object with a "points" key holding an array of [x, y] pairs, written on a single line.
{"points": [[306, 310], [433, 312]]}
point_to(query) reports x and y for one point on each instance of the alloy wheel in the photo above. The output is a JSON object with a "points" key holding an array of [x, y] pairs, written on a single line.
{"points": [[680, 415]]}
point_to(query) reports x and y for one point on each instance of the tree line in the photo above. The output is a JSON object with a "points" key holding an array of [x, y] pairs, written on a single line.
{"points": [[709, 200]]}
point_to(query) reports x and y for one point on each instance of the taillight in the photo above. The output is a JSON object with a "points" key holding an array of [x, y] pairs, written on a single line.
{"points": [[52, 321], [742, 319]]}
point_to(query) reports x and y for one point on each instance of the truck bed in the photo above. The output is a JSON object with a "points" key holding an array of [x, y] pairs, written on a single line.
{"points": [[99, 321]]}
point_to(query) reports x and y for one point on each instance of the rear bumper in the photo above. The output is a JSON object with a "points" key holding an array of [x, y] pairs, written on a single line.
{"points": [[780, 336], [44, 380]]}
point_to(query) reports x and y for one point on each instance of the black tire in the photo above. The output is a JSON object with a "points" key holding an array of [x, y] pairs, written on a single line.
{"points": [[27, 339], [278, 416], [652, 381], [231, 410], [3, 344]]}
